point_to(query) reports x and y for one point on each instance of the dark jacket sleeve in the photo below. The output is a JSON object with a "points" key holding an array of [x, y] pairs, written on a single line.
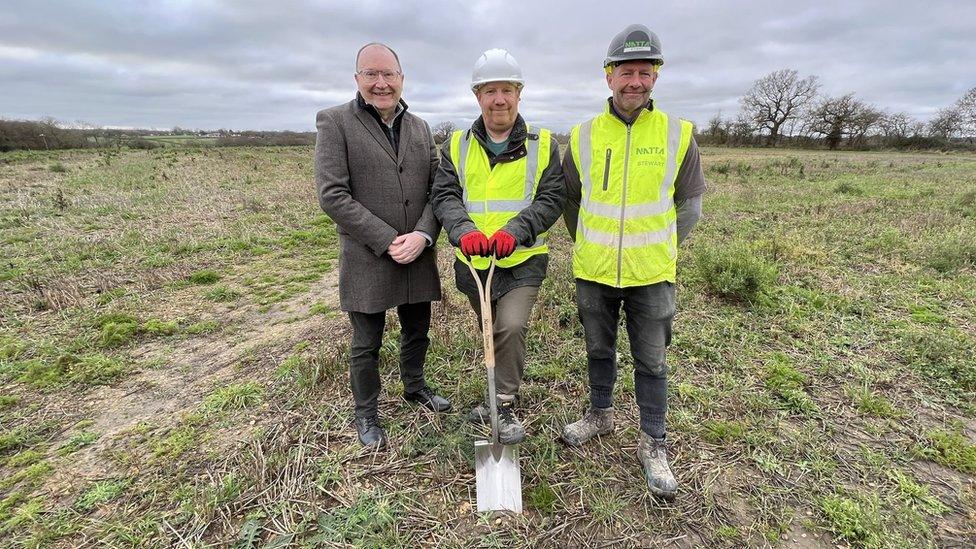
{"points": [[550, 196], [428, 221], [571, 177], [335, 196], [447, 199]]}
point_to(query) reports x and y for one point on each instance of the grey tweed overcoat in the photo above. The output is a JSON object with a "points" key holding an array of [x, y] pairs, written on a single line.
{"points": [[374, 194]]}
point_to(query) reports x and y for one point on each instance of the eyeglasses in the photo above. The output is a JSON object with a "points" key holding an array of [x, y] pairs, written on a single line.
{"points": [[370, 76]]}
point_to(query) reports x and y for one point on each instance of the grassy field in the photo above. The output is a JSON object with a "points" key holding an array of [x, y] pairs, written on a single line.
{"points": [[190, 140], [172, 366]]}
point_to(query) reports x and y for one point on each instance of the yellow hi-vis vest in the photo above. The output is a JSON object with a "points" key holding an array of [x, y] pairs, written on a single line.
{"points": [[626, 234], [494, 195]]}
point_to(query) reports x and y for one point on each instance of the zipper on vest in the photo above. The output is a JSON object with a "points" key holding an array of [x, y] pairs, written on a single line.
{"points": [[606, 170], [623, 208]]}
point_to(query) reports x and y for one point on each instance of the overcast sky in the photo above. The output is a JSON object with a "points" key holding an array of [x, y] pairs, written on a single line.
{"points": [[272, 64]]}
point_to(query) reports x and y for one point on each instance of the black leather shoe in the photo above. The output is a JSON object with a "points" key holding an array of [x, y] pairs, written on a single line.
{"points": [[371, 434], [430, 399]]}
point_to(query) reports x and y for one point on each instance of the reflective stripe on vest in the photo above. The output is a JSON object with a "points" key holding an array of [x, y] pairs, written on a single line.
{"points": [[490, 214], [531, 165], [638, 226]]}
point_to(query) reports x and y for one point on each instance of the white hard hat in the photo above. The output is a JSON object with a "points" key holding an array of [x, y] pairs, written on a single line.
{"points": [[496, 65]]}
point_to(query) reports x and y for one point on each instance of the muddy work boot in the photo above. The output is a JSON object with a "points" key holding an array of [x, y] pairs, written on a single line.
{"points": [[481, 413], [653, 456], [596, 421], [510, 430]]}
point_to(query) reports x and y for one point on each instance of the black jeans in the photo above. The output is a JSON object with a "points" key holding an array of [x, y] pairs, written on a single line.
{"points": [[649, 311], [364, 353]]}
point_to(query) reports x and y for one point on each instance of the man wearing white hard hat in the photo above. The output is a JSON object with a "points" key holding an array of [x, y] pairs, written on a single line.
{"points": [[498, 189]]}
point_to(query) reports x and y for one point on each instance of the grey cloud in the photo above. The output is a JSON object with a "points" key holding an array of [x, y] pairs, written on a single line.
{"points": [[264, 65]]}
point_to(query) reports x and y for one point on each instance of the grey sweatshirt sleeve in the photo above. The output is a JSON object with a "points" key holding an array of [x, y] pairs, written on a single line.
{"points": [[689, 212], [691, 179], [688, 189], [550, 195]]}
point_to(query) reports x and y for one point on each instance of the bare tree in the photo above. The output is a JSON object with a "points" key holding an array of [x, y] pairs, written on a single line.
{"points": [[966, 106], [865, 120], [442, 132], [946, 124], [777, 98], [898, 125], [716, 132], [837, 118], [90, 130], [740, 131]]}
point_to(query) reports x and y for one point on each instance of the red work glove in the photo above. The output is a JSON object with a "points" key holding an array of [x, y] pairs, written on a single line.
{"points": [[503, 244], [475, 243]]}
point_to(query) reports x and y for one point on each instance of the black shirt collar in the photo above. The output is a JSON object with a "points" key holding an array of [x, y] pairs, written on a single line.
{"points": [[516, 140], [375, 113]]}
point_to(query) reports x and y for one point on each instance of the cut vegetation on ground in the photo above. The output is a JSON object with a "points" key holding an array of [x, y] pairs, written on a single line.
{"points": [[172, 366]]}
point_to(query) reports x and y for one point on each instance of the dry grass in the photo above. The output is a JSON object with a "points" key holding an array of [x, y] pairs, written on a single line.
{"points": [[833, 406]]}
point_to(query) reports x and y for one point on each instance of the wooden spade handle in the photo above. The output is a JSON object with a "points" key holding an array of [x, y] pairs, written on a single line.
{"points": [[488, 336]]}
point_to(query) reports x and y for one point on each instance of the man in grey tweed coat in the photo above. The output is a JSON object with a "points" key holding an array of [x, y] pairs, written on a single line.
{"points": [[374, 164]]}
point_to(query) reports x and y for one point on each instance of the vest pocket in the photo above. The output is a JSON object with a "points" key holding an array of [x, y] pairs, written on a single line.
{"points": [[606, 169]]}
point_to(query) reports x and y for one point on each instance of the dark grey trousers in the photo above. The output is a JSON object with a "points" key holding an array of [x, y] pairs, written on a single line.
{"points": [[649, 311], [364, 353]]}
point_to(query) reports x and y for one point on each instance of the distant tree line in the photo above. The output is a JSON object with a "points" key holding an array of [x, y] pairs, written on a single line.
{"points": [[782, 109], [48, 133]]}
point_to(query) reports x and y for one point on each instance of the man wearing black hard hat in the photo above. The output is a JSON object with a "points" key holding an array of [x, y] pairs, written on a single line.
{"points": [[634, 185]]}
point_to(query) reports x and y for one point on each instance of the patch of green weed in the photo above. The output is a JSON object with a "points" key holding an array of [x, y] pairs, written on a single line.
{"points": [[204, 277], [722, 431], [320, 308], [366, 522], [101, 492], [787, 384], [916, 494], [857, 521], [25, 458], [202, 327], [542, 498], [848, 188], [734, 272], [33, 474], [8, 401], [114, 334], [222, 293], [950, 254], [231, 397], [78, 441], [875, 404], [949, 449], [158, 327]]}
